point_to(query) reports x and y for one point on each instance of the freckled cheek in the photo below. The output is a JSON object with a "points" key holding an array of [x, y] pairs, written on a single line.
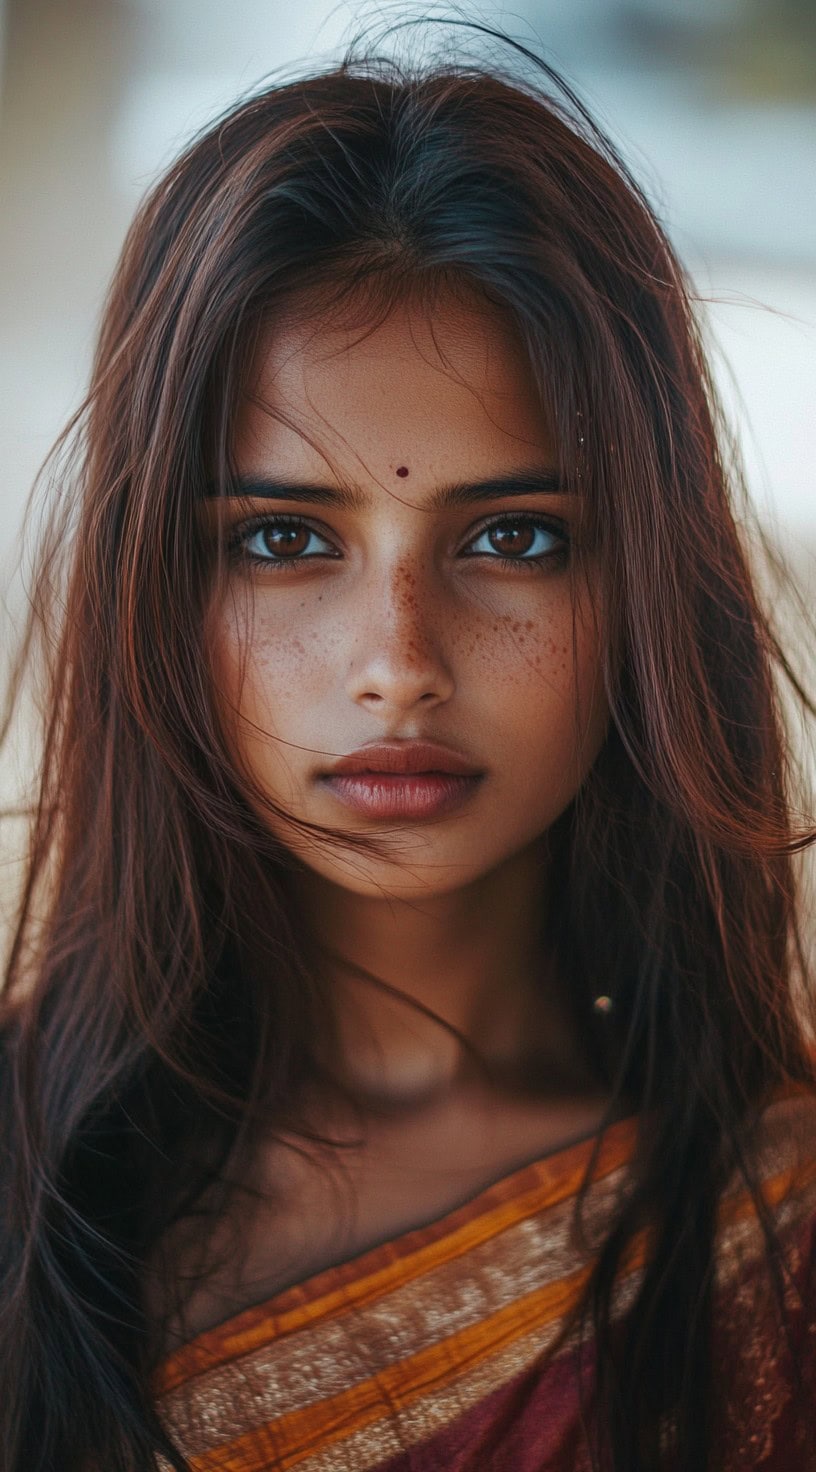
{"points": [[524, 651], [544, 674], [265, 668]]}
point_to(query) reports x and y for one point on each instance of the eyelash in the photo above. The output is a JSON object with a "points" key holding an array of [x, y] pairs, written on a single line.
{"points": [[558, 555]]}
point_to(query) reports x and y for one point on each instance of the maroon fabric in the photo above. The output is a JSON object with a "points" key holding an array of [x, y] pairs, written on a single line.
{"points": [[765, 1421]]}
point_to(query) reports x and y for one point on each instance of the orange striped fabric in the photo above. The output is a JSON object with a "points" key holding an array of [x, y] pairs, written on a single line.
{"points": [[409, 1356]]}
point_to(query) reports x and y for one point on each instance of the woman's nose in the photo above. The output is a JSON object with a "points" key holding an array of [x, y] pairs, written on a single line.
{"points": [[398, 657]]}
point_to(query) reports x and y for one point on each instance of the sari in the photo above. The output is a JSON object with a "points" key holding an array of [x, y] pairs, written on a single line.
{"points": [[455, 1345]]}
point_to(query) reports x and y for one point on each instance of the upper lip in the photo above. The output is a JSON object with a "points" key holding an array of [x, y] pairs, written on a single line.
{"points": [[404, 756]]}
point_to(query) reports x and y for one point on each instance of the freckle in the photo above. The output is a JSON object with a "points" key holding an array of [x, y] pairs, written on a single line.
{"points": [[529, 624], [402, 470]]}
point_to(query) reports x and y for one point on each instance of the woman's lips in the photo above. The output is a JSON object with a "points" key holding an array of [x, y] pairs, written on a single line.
{"points": [[402, 794], [403, 779]]}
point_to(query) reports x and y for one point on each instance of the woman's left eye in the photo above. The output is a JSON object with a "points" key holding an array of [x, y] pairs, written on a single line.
{"points": [[522, 539]]}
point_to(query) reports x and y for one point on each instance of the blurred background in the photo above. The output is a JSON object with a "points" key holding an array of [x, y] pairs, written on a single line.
{"points": [[713, 103]]}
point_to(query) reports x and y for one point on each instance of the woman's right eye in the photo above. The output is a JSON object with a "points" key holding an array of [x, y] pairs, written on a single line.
{"points": [[274, 541]]}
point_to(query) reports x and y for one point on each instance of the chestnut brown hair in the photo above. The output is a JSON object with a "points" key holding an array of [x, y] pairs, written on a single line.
{"points": [[139, 1043]]}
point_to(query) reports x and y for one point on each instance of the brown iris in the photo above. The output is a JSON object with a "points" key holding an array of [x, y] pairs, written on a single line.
{"points": [[283, 539], [509, 538]]}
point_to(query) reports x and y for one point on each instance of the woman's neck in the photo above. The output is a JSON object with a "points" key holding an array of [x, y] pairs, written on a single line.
{"points": [[423, 988]]}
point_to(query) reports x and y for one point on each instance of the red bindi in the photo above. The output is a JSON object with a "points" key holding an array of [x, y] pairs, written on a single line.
{"points": [[402, 470]]}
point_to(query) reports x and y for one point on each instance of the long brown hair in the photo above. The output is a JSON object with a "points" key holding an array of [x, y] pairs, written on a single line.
{"points": [[139, 1042]]}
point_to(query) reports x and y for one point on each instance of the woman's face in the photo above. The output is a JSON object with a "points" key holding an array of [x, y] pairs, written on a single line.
{"points": [[384, 588]]}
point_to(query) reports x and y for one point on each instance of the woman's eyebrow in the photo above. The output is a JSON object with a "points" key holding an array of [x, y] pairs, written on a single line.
{"points": [[529, 482]]}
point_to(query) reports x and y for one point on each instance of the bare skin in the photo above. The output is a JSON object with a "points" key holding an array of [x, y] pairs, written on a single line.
{"points": [[397, 619]]}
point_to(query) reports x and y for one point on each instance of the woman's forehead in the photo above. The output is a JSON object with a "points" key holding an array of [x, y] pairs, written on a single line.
{"points": [[417, 393]]}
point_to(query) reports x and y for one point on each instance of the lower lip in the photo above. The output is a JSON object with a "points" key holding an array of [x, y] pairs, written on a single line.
{"points": [[399, 795]]}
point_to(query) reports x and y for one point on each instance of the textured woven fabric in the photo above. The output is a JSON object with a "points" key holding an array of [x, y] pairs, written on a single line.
{"points": [[452, 1346]]}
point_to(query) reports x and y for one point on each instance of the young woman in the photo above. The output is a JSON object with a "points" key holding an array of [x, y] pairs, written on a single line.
{"points": [[405, 1045]]}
